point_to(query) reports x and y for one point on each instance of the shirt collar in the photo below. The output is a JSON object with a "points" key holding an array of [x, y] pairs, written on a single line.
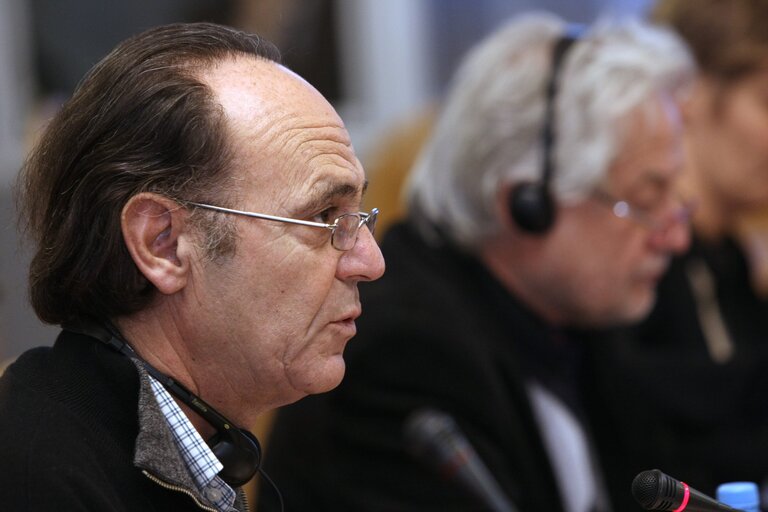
{"points": [[198, 457]]}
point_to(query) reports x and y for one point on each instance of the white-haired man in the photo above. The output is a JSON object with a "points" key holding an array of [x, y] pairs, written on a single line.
{"points": [[544, 203]]}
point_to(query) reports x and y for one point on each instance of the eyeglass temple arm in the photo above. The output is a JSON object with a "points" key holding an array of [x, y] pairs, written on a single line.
{"points": [[262, 215]]}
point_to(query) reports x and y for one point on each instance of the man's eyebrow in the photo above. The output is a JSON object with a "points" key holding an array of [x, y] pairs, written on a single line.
{"points": [[331, 191]]}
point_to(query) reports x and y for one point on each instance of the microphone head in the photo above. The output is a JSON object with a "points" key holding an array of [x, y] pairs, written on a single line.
{"points": [[435, 438], [654, 490], [428, 432]]}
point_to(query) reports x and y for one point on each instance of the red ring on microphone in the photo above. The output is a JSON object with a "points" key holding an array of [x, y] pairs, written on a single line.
{"points": [[686, 497]]}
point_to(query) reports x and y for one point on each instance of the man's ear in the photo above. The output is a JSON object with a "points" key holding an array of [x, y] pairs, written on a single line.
{"points": [[154, 229]]}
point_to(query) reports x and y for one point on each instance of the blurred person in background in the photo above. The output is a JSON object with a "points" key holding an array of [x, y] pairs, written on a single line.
{"points": [[544, 203], [195, 207], [696, 372]]}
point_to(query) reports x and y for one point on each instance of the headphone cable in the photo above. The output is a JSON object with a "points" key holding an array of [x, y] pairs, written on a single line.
{"points": [[277, 491]]}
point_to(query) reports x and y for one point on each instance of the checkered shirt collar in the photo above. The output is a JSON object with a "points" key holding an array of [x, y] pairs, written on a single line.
{"points": [[200, 460]]}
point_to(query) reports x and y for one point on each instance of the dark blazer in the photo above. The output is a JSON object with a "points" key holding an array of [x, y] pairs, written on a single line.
{"points": [[439, 331], [69, 423]]}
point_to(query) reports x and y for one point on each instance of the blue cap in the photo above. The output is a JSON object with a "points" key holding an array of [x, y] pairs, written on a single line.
{"points": [[740, 495]]}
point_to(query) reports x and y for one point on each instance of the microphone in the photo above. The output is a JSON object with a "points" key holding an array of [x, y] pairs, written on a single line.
{"points": [[655, 490], [435, 438]]}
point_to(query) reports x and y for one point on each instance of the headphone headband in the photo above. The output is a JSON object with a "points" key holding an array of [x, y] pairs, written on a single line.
{"points": [[531, 204], [559, 51]]}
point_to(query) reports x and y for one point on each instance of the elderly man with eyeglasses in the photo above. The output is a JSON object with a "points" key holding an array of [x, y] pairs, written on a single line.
{"points": [[545, 203], [185, 315]]}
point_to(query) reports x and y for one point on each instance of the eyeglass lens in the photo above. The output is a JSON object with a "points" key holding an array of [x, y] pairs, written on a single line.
{"points": [[347, 228]]}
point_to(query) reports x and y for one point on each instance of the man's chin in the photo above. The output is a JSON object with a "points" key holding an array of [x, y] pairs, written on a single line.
{"points": [[328, 378], [637, 310], [627, 313]]}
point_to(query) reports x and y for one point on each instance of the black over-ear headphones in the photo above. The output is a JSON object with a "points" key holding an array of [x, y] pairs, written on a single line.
{"points": [[237, 449], [530, 204]]}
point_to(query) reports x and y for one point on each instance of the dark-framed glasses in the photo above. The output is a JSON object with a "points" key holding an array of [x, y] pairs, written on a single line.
{"points": [[344, 229], [658, 218]]}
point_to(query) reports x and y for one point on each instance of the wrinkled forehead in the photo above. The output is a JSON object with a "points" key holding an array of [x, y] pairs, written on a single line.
{"points": [[261, 97], [282, 130]]}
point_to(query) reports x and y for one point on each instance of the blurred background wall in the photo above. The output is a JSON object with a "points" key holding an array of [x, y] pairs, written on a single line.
{"points": [[382, 63]]}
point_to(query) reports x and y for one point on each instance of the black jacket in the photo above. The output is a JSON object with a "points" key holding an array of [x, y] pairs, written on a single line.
{"points": [[672, 406], [438, 331], [80, 430]]}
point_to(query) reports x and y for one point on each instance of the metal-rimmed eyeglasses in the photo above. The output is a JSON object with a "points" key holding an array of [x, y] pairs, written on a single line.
{"points": [[654, 219], [344, 229]]}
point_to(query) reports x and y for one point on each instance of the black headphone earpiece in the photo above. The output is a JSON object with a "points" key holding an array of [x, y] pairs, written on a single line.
{"points": [[239, 452], [531, 205], [237, 449]]}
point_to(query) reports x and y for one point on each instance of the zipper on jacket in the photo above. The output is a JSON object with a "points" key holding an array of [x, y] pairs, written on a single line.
{"points": [[177, 488], [243, 499]]}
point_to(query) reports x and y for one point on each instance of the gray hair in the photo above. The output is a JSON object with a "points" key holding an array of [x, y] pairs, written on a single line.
{"points": [[489, 133]]}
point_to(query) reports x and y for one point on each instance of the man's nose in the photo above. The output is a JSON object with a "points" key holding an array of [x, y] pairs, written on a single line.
{"points": [[675, 235], [364, 262]]}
